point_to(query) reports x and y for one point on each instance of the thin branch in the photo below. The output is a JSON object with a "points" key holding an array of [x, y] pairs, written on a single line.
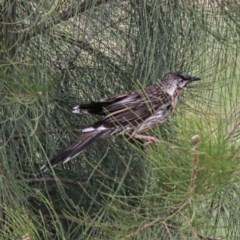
{"points": [[167, 229], [196, 140], [207, 237], [62, 180], [72, 53], [64, 16], [24, 95], [98, 54], [163, 217]]}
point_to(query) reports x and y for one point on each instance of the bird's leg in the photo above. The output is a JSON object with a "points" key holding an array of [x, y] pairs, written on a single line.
{"points": [[145, 137], [148, 139]]}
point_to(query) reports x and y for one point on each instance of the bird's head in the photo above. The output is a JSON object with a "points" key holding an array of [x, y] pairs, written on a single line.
{"points": [[173, 83]]}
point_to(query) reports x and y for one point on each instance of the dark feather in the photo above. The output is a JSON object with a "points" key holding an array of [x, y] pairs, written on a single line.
{"points": [[127, 113], [102, 107], [137, 107], [74, 149], [132, 107]]}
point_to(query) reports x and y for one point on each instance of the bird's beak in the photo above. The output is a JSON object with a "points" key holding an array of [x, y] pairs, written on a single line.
{"points": [[193, 78]]}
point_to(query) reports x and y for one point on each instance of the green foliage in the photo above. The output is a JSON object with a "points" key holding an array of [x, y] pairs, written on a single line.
{"points": [[54, 54], [19, 225]]}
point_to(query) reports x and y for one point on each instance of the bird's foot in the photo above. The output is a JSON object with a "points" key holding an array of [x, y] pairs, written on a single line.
{"points": [[148, 139]]}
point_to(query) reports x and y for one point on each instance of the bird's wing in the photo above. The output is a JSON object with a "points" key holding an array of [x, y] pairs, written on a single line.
{"points": [[103, 106], [122, 111], [134, 102], [136, 107]]}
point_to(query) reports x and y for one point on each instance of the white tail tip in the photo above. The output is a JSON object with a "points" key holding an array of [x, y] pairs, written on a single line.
{"points": [[76, 109]]}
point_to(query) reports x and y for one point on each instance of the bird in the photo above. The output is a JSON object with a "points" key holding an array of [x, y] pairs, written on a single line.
{"points": [[128, 114]]}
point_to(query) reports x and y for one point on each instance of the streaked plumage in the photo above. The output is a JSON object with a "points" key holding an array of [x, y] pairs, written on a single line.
{"points": [[128, 113]]}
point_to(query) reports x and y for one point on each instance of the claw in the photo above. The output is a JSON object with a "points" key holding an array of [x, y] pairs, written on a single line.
{"points": [[148, 139]]}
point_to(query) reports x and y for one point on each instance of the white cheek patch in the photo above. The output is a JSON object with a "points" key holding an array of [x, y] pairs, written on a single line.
{"points": [[171, 91]]}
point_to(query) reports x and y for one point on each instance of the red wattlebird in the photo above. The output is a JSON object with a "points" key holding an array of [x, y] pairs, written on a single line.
{"points": [[128, 114]]}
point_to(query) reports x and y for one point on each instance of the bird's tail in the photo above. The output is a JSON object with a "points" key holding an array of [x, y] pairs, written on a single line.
{"points": [[74, 149]]}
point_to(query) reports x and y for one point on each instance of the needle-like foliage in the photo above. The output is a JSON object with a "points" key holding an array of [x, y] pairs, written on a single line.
{"points": [[55, 54]]}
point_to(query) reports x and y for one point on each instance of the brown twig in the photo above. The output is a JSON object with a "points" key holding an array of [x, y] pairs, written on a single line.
{"points": [[207, 237], [21, 94], [163, 217], [68, 13], [167, 229], [62, 180], [87, 47], [196, 140]]}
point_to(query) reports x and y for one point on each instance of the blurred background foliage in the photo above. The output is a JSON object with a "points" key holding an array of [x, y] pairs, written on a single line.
{"points": [[54, 54]]}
